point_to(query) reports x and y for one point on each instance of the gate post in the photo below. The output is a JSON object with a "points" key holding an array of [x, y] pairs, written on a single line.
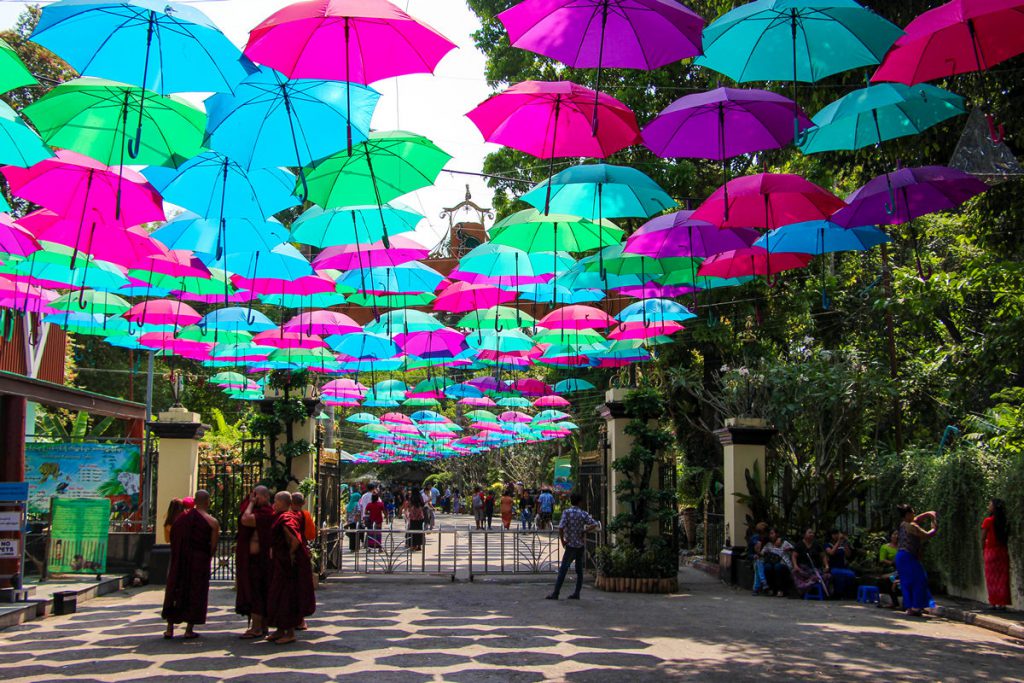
{"points": [[177, 475], [743, 441]]}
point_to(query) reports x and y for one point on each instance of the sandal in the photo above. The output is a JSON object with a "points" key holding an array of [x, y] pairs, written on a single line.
{"points": [[168, 634], [285, 641], [275, 636], [250, 634], [190, 635]]}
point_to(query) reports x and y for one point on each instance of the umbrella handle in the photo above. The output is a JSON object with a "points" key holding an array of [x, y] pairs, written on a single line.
{"points": [[996, 131], [799, 136], [35, 333], [890, 206], [305, 185], [81, 298], [135, 146]]}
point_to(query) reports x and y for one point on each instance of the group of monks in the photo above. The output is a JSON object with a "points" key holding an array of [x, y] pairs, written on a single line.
{"points": [[273, 567]]}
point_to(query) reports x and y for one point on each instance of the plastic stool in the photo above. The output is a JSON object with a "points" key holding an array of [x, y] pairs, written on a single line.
{"points": [[815, 593], [867, 594]]}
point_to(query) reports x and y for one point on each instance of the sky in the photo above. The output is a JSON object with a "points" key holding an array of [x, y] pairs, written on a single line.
{"points": [[430, 105]]}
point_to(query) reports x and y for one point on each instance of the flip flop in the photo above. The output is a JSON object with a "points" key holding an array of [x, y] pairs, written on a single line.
{"points": [[190, 636], [168, 635], [249, 635], [285, 641]]}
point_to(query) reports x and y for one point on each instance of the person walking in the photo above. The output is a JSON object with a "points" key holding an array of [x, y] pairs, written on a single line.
{"points": [[994, 536], [913, 577], [477, 504], [546, 510], [308, 525], [194, 536], [489, 506], [572, 530], [414, 516], [505, 508], [526, 505]]}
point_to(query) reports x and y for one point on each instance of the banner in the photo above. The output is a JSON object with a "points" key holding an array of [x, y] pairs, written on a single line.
{"points": [[83, 470], [563, 474], [79, 530]]}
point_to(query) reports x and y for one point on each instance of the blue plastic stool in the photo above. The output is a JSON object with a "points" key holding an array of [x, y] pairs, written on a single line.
{"points": [[867, 594], [815, 593]]}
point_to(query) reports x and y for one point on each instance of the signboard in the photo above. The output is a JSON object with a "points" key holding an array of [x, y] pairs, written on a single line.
{"points": [[13, 491], [83, 470], [10, 521], [78, 536], [563, 474], [10, 547]]}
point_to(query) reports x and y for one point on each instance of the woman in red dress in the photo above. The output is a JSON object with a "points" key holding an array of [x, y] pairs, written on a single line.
{"points": [[994, 535]]}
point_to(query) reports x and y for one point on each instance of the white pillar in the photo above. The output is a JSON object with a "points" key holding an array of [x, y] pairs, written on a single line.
{"points": [[180, 431], [743, 442]]}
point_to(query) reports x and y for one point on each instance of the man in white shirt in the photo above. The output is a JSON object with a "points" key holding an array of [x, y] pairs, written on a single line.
{"points": [[366, 499]]}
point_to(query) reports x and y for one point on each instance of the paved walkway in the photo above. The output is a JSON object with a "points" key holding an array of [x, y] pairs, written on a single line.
{"points": [[410, 631]]}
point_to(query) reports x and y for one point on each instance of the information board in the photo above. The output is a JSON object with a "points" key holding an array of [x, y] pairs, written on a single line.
{"points": [[563, 474], [79, 531], [83, 470]]}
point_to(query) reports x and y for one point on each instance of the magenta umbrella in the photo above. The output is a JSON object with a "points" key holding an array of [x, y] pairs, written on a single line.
{"points": [[355, 41], [303, 286], [78, 187], [322, 322], [130, 248], [767, 200], [400, 249], [166, 341], [463, 297], [576, 317], [958, 37], [551, 401], [514, 416], [553, 119], [751, 261], [16, 239], [530, 386], [433, 342], [652, 290], [162, 312]]}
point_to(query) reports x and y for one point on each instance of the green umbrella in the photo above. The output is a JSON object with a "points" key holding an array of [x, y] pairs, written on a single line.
{"points": [[228, 378], [19, 144], [212, 335], [90, 115], [880, 112], [497, 318], [13, 72], [386, 166], [91, 301], [533, 231], [568, 336], [54, 265], [481, 416], [421, 402]]}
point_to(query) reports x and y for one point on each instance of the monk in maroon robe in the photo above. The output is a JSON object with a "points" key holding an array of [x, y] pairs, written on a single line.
{"points": [[252, 561], [291, 596], [194, 537]]}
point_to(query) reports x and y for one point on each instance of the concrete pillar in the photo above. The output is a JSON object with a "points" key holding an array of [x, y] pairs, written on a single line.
{"points": [[743, 442], [613, 410], [177, 475], [12, 459], [304, 466]]}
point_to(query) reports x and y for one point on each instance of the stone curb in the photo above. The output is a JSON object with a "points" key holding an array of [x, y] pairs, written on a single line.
{"points": [[985, 621]]}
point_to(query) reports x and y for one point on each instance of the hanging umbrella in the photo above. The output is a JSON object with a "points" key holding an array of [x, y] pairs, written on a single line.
{"points": [[795, 40], [412, 277], [496, 318], [906, 194], [551, 401], [91, 116], [877, 113], [237, 319], [556, 119], [462, 297], [16, 239], [322, 322], [404, 321], [751, 261], [95, 303], [514, 402], [363, 345], [209, 238], [533, 231], [549, 292], [767, 200], [821, 237], [655, 310], [162, 312], [270, 120], [500, 340], [567, 386], [13, 72], [958, 37], [163, 46], [352, 225], [576, 318], [677, 234], [598, 191], [434, 343], [400, 250], [217, 187], [130, 247], [497, 264], [19, 144]]}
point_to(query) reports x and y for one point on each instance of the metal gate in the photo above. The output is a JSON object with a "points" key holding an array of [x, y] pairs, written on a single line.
{"points": [[228, 484]]}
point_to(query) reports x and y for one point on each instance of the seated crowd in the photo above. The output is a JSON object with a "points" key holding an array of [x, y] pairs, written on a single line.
{"points": [[784, 568]]}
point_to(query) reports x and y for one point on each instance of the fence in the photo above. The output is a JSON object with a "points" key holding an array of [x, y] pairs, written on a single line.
{"points": [[513, 551], [389, 551]]}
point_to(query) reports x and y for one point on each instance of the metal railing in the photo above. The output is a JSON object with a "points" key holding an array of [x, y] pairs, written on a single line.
{"points": [[513, 551], [390, 551]]}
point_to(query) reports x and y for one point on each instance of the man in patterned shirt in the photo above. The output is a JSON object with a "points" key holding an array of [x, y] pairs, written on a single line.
{"points": [[572, 529]]}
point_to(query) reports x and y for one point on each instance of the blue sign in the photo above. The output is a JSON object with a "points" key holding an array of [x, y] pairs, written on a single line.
{"points": [[13, 491]]}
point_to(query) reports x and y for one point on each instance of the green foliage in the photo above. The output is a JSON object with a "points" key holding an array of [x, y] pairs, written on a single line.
{"points": [[624, 560], [439, 479], [56, 426]]}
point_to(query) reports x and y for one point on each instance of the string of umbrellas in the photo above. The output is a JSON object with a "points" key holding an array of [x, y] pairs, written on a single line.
{"points": [[160, 224]]}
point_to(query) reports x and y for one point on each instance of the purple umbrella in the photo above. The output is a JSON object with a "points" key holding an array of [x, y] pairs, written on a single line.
{"points": [[628, 34], [906, 194], [678, 235], [724, 123]]}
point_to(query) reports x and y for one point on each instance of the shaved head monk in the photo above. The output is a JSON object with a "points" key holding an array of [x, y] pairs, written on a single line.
{"points": [[252, 561], [291, 597], [194, 537]]}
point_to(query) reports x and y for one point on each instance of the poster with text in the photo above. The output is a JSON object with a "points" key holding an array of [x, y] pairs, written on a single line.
{"points": [[83, 470], [563, 474], [78, 536]]}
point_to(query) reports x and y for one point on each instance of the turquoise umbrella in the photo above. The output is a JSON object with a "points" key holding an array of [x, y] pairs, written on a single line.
{"points": [[599, 191], [880, 112], [19, 144], [352, 225]]}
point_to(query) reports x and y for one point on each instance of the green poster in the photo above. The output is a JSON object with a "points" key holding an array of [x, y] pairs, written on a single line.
{"points": [[78, 535], [563, 474]]}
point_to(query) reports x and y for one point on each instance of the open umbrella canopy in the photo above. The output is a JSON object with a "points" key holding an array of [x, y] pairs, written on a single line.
{"points": [[751, 261], [568, 386], [678, 234], [496, 318], [352, 225], [399, 250], [767, 200], [655, 310], [19, 144], [533, 231], [236, 319], [821, 237], [576, 318], [322, 322], [464, 296], [404, 321], [597, 191], [13, 72], [556, 119]]}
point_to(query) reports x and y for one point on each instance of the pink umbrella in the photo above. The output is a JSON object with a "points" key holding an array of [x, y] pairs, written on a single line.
{"points": [[178, 263], [396, 418], [767, 200], [162, 312], [303, 286], [73, 185], [401, 250], [552, 401], [463, 297], [576, 317], [751, 261], [656, 291], [958, 37], [236, 298], [15, 239], [556, 119], [529, 386], [514, 416], [166, 341], [323, 322], [289, 340], [477, 402], [639, 330], [130, 248]]}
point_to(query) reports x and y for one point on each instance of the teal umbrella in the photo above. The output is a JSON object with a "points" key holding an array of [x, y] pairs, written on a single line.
{"points": [[880, 112], [795, 40], [599, 191], [19, 144]]}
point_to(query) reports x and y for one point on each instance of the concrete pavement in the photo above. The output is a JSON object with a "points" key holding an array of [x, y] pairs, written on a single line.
{"points": [[371, 630]]}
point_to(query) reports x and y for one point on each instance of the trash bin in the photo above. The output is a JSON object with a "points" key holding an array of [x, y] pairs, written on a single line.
{"points": [[65, 602]]}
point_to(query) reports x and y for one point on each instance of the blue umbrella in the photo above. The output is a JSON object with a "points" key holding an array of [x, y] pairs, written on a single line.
{"points": [[363, 345], [560, 293], [273, 121], [283, 262], [236, 319], [215, 186], [363, 419], [352, 225], [655, 310], [821, 237], [599, 191], [19, 144], [162, 46], [568, 386], [408, 277], [463, 391], [205, 236]]}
